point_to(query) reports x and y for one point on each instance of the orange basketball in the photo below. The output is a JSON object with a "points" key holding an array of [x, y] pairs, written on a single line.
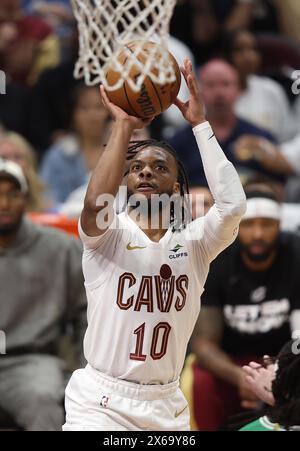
{"points": [[153, 98]]}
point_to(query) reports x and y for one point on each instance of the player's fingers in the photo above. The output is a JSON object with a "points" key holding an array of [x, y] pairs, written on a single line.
{"points": [[192, 85], [249, 371], [179, 104], [184, 73], [104, 96], [255, 365]]}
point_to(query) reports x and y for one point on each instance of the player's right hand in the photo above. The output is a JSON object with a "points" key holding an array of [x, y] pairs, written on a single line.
{"points": [[120, 115]]}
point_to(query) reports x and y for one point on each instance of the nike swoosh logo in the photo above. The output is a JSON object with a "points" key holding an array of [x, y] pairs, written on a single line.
{"points": [[177, 414], [134, 248]]}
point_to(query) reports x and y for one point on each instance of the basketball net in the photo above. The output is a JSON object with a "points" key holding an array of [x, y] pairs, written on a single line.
{"points": [[106, 26]]}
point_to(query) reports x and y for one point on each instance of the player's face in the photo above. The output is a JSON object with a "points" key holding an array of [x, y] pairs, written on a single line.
{"points": [[259, 237], [153, 171], [12, 206]]}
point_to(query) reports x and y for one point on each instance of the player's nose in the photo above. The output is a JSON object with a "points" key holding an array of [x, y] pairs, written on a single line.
{"points": [[146, 172]]}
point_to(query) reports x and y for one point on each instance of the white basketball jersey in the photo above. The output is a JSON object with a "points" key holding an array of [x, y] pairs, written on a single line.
{"points": [[144, 297]]}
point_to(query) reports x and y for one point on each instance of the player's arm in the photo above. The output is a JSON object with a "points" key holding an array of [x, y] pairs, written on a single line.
{"points": [[221, 223], [206, 344], [108, 174]]}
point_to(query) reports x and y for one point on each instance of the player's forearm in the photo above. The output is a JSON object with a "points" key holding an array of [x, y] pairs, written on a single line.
{"points": [[222, 178], [211, 358], [108, 174]]}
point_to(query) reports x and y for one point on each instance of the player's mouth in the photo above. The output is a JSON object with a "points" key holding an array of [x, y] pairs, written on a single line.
{"points": [[146, 187]]}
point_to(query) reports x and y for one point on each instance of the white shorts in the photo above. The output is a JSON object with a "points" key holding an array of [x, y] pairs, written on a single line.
{"points": [[97, 402]]}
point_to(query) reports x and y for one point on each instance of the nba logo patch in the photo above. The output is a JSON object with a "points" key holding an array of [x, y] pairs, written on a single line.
{"points": [[104, 401]]}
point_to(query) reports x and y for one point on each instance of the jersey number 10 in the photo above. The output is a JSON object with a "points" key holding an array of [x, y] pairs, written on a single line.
{"points": [[155, 353]]}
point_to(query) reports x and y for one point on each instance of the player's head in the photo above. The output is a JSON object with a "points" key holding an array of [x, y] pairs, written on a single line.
{"points": [[286, 387], [241, 50], [260, 226], [220, 87], [13, 196], [155, 170]]}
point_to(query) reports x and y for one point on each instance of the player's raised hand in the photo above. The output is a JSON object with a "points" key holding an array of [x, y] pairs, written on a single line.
{"points": [[120, 115], [193, 109]]}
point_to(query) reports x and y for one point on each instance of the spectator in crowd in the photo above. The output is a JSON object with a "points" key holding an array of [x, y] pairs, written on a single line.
{"points": [[277, 384], [27, 44], [74, 204], [201, 23], [250, 308], [283, 160], [41, 294], [263, 101], [58, 15], [220, 88], [67, 164], [288, 12], [15, 148], [201, 200]]}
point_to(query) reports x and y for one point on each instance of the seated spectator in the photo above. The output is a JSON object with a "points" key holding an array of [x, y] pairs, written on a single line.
{"points": [[74, 204], [278, 386], [263, 101], [201, 23], [220, 87], [250, 308], [283, 160], [201, 200], [288, 12], [58, 15], [67, 164], [15, 148], [42, 293], [27, 44]]}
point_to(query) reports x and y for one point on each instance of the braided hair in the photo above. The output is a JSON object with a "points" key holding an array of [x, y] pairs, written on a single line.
{"points": [[286, 387], [178, 222]]}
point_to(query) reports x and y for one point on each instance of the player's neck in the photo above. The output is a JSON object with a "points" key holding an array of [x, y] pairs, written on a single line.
{"points": [[146, 222]]}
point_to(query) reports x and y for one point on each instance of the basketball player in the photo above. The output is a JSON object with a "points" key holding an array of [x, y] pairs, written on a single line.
{"points": [[143, 284]]}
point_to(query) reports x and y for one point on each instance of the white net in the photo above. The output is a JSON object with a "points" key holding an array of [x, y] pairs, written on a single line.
{"points": [[106, 26]]}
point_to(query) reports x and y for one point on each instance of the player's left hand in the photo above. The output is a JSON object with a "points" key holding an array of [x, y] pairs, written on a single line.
{"points": [[193, 109], [120, 115]]}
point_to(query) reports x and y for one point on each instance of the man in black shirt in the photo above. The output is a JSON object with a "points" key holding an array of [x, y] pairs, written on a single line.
{"points": [[250, 307]]}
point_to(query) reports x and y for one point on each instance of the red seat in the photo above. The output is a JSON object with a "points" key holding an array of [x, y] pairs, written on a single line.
{"points": [[55, 220]]}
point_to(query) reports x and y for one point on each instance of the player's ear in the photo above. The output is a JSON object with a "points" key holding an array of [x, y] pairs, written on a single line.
{"points": [[176, 188]]}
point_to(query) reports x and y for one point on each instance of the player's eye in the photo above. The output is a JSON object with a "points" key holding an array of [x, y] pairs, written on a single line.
{"points": [[162, 168], [136, 167]]}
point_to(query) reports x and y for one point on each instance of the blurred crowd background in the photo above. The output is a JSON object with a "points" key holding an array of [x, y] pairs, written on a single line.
{"points": [[247, 56]]}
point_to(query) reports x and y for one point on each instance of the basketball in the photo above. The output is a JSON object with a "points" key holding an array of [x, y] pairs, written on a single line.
{"points": [[153, 98]]}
